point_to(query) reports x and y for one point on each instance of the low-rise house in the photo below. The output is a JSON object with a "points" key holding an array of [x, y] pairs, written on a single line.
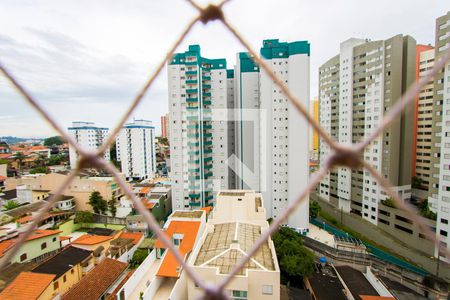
{"points": [[8, 195], [67, 267], [99, 283], [41, 244], [64, 202], [137, 223], [30, 286], [235, 224], [92, 242], [80, 188]]}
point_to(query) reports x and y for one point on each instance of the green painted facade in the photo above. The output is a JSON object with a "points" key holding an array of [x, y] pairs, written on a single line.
{"points": [[246, 63], [276, 49]]}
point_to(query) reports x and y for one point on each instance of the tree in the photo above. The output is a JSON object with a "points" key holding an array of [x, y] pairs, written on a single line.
{"points": [[41, 159], [99, 205], [164, 141], [11, 204], [295, 259], [53, 141], [38, 170], [425, 211], [19, 157], [314, 209], [112, 207], [416, 182], [83, 217], [138, 257]]}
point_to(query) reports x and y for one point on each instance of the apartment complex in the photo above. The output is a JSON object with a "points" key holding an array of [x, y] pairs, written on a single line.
{"points": [[199, 142], [356, 88], [135, 147], [165, 131], [230, 128], [423, 120], [439, 187], [88, 136], [236, 222]]}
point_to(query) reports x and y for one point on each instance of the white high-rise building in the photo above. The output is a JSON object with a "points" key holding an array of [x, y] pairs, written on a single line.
{"points": [[198, 141], [88, 136], [439, 188], [247, 123], [284, 133], [135, 147]]}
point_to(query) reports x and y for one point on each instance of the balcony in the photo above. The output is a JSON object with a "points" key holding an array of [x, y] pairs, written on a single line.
{"points": [[207, 126], [193, 144], [194, 161], [206, 78], [195, 170], [207, 143], [207, 167], [193, 135], [207, 94], [192, 118], [210, 197], [191, 72], [191, 91], [207, 151], [206, 102], [192, 108], [197, 204], [191, 81], [207, 135], [206, 86], [206, 159], [192, 100], [190, 62], [194, 195]]}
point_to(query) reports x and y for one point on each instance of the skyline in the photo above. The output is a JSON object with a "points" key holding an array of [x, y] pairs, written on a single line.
{"points": [[110, 55]]}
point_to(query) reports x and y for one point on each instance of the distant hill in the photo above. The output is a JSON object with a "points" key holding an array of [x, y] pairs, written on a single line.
{"points": [[14, 140]]}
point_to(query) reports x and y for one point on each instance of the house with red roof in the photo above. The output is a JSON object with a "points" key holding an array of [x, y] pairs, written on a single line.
{"points": [[41, 244]]}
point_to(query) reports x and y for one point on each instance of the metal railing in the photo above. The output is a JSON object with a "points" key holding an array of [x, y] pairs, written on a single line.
{"points": [[340, 155]]}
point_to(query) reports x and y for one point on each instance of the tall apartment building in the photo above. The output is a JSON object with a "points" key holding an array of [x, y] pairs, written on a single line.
{"points": [[135, 147], [439, 188], [199, 142], [285, 133], [259, 140], [356, 88], [165, 131], [247, 116], [423, 119], [88, 136], [231, 130]]}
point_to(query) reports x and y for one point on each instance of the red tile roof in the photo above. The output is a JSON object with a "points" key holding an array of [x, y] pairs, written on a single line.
{"points": [[145, 190], [135, 236], [27, 286], [37, 234], [88, 239], [2, 178], [189, 229], [207, 209], [96, 282]]}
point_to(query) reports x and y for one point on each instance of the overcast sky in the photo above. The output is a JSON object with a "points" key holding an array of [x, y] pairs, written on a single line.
{"points": [[85, 60]]}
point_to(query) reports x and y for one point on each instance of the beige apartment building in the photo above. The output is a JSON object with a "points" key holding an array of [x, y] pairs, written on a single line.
{"points": [[234, 225], [80, 188], [423, 119], [356, 88]]}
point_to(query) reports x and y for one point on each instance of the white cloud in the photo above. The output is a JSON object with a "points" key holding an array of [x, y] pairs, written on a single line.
{"points": [[86, 60]]}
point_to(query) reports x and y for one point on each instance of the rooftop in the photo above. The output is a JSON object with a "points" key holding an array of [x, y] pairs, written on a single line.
{"points": [[326, 285], [88, 239], [63, 261], [9, 273], [189, 229], [25, 209], [356, 282], [101, 231], [27, 286], [9, 195], [194, 214], [135, 236], [217, 250], [95, 283]]}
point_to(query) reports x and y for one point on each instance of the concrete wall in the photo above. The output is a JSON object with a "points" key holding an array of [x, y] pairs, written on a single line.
{"points": [[153, 288]]}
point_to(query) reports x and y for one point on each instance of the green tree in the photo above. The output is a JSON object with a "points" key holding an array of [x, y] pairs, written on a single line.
{"points": [[425, 211], [99, 205], [416, 182], [39, 170], [53, 141], [11, 204], [19, 157], [314, 209], [138, 257], [164, 141], [83, 217], [112, 207], [295, 259], [41, 159]]}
